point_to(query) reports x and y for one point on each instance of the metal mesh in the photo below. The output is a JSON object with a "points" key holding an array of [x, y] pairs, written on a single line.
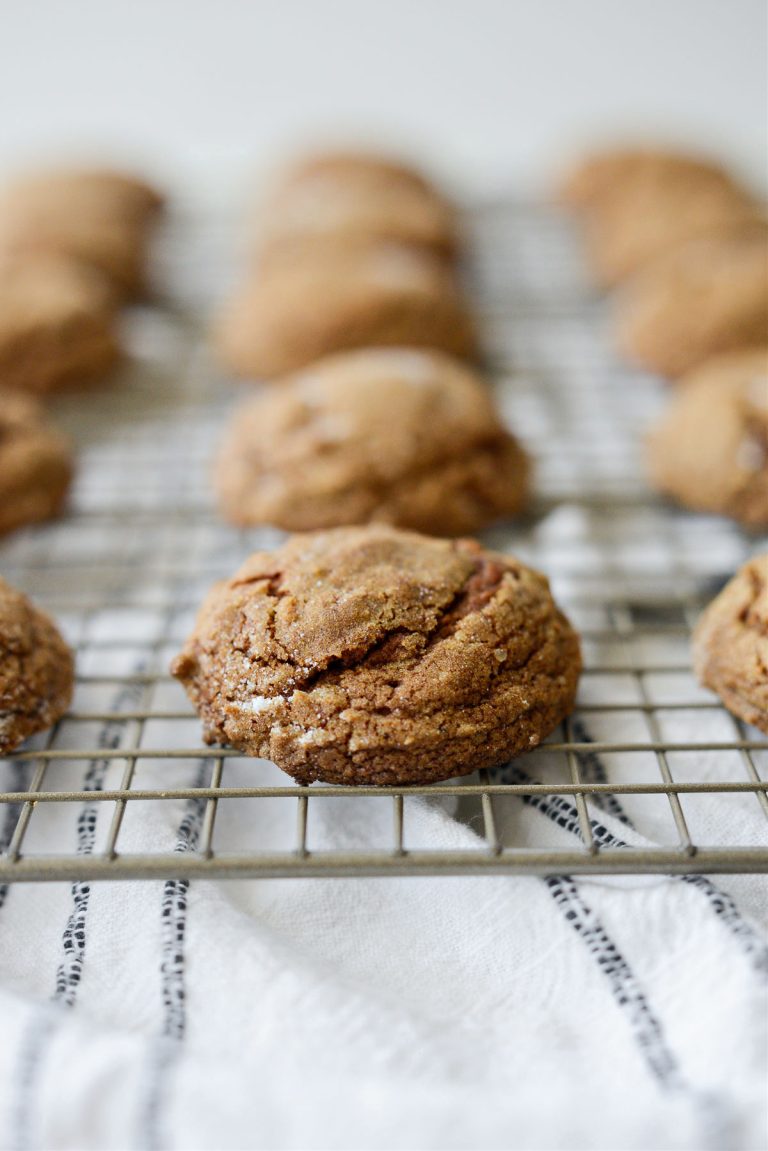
{"points": [[650, 774]]}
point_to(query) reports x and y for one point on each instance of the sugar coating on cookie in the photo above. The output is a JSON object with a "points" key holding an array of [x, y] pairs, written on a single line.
{"points": [[36, 464], [708, 297], [398, 435], [730, 644], [710, 448], [296, 312], [378, 656], [100, 218], [36, 669], [57, 325]]}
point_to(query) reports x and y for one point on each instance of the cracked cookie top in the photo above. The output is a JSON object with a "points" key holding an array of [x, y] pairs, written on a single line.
{"points": [[395, 434], [376, 655], [36, 669]]}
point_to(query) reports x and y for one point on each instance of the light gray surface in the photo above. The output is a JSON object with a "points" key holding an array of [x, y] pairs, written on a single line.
{"points": [[496, 90]]}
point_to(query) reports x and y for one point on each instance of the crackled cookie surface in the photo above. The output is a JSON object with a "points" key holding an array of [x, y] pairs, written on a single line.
{"points": [[730, 644], [36, 669], [710, 296], [397, 435], [57, 327], [371, 655], [297, 312], [36, 464], [710, 448]]}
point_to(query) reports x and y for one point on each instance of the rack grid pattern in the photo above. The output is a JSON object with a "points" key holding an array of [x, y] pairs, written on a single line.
{"points": [[650, 774]]}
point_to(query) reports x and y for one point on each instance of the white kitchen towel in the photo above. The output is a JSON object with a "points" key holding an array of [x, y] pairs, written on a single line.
{"points": [[386, 1013]]}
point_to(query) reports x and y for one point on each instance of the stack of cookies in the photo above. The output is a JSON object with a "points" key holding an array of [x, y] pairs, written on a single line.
{"points": [[687, 245], [73, 247]]}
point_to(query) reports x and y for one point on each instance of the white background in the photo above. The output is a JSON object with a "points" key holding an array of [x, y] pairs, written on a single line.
{"points": [[496, 91]]}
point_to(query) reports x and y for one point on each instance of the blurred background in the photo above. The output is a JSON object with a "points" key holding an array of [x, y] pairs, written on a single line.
{"points": [[494, 92]]}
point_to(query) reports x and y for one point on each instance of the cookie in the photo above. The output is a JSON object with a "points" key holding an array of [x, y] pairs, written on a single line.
{"points": [[396, 435], [367, 169], [647, 222], [57, 326], [730, 644], [99, 218], [347, 197], [36, 670], [710, 448], [300, 311], [709, 297], [36, 464], [603, 177], [377, 656]]}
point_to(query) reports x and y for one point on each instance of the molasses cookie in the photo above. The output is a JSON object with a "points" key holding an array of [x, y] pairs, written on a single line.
{"points": [[99, 218], [647, 222], [36, 670], [297, 312], [603, 177], [708, 297], [347, 197], [730, 644], [57, 326], [36, 464], [402, 436], [376, 656], [710, 449]]}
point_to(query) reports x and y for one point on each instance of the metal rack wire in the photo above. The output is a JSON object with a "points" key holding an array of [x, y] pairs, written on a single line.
{"points": [[650, 774]]}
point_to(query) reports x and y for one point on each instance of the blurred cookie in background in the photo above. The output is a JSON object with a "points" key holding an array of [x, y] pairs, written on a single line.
{"points": [[730, 644], [647, 223], [103, 219], [57, 325], [348, 197], [707, 297], [599, 179], [709, 451], [382, 295], [641, 203], [394, 435], [36, 464]]}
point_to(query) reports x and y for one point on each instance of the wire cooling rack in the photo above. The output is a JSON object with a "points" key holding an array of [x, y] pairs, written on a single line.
{"points": [[650, 774]]}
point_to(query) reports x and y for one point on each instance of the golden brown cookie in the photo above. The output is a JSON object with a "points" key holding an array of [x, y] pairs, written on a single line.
{"points": [[647, 222], [100, 218], [36, 464], [376, 656], [602, 177], [349, 197], [708, 297], [396, 435], [57, 326], [297, 312], [730, 644], [369, 169], [710, 448], [36, 670]]}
